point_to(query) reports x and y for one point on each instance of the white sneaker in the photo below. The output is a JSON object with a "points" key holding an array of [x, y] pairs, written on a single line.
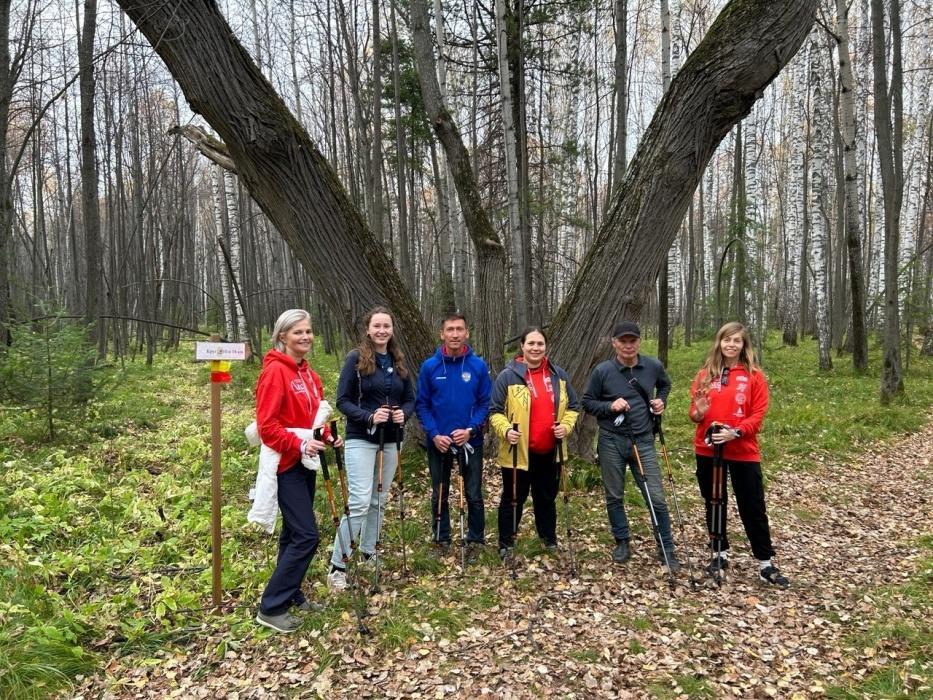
{"points": [[337, 580]]}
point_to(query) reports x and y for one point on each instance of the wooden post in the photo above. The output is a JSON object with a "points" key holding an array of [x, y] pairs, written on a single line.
{"points": [[216, 557], [220, 355]]}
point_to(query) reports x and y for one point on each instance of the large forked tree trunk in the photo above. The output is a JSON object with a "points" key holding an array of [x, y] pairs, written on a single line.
{"points": [[743, 52], [490, 254], [277, 161]]}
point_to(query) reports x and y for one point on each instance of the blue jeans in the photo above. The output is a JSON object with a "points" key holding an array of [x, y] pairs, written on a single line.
{"points": [[367, 509], [615, 453], [297, 542], [472, 489]]}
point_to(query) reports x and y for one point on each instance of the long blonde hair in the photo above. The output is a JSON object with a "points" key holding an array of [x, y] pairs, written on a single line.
{"points": [[713, 365], [367, 361]]}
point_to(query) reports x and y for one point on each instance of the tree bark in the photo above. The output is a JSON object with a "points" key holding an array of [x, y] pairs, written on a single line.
{"points": [[277, 161], [744, 50]]}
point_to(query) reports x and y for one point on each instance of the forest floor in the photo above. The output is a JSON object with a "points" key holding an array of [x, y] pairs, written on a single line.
{"points": [[855, 539]]}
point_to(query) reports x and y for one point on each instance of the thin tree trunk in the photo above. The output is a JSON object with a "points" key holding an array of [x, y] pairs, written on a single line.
{"points": [[889, 134], [819, 219], [89, 188], [521, 293], [376, 167], [850, 164], [621, 92]]}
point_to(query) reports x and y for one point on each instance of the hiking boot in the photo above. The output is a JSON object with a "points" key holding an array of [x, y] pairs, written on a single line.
{"points": [[772, 576], [550, 544], [621, 553], [306, 606], [505, 553], [717, 566], [285, 622], [337, 580], [671, 564], [441, 549]]}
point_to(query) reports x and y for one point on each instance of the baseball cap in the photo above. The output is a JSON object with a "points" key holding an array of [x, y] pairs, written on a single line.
{"points": [[626, 328]]}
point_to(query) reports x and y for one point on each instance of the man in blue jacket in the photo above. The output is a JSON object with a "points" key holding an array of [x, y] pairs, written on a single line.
{"points": [[454, 387]]}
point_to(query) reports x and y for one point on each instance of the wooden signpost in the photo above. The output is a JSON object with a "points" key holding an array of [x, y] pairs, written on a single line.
{"points": [[220, 356]]}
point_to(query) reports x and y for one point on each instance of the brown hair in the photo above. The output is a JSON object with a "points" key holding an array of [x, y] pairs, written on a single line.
{"points": [[714, 364], [367, 361], [454, 316]]}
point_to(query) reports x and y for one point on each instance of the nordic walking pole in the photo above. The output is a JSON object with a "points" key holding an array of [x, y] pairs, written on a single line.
{"points": [[445, 466], [562, 476], [342, 473], [352, 573], [401, 495], [344, 555], [655, 525], [514, 500], [380, 461], [717, 501], [670, 479], [460, 453]]}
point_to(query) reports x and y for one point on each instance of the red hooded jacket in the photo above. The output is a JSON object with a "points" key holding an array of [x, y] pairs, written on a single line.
{"points": [[741, 405], [287, 396]]}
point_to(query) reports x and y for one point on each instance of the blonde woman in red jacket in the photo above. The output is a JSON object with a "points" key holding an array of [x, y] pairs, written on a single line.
{"points": [[288, 394], [729, 399]]}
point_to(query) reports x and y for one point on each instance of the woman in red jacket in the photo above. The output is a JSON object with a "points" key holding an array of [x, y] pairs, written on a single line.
{"points": [[288, 394], [729, 401]]}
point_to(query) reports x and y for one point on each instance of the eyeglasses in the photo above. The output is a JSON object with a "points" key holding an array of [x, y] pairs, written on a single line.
{"points": [[724, 377]]}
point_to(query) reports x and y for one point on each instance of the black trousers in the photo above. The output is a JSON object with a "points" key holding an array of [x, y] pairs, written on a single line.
{"points": [[297, 543], [543, 479], [749, 497]]}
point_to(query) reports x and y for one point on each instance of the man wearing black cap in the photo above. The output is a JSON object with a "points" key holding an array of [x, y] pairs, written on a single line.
{"points": [[623, 393]]}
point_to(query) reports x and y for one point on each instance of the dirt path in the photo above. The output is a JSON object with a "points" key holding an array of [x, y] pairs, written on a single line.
{"points": [[843, 532]]}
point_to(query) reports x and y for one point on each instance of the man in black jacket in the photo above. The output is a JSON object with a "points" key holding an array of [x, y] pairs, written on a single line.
{"points": [[623, 393]]}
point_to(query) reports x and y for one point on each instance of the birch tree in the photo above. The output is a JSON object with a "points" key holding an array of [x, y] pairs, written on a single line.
{"points": [[819, 188]]}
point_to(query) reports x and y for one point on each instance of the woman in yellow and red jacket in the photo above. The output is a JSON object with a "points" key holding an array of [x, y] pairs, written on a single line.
{"points": [[535, 395]]}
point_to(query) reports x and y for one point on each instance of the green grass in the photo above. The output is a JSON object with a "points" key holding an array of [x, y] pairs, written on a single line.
{"points": [[104, 531], [908, 632], [680, 686]]}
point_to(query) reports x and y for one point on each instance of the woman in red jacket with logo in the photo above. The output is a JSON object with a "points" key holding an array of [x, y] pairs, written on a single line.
{"points": [[729, 401], [288, 394]]}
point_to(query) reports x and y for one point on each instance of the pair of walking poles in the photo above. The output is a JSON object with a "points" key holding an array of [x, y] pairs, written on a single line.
{"points": [[562, 482], [357, 598], [346, 555], [459, 454], [380, 461], [655, 524]]}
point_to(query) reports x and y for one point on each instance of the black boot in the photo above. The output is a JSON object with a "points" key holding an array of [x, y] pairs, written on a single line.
{"points": [[621, 553]]}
